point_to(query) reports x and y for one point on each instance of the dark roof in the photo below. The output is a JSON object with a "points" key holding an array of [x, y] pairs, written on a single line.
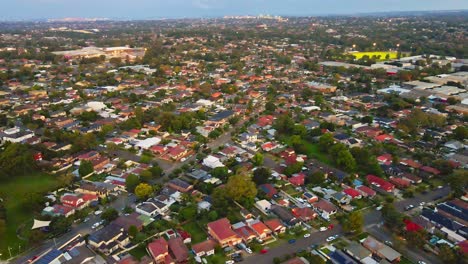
{"points": [[49, 257], [454, 210], [440, 219], [339, 257], [106, 233], [221, 115]]}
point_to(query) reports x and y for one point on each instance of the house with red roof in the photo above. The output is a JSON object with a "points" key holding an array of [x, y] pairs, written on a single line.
{"points": [[366, 191], [262, 231], [354, 194], [325, 208], [412, 226], [410, 163], [275, 225], [222, 232], [385, 159], [159, 250], [269, 146], [78, 201], [246, 233], [430, 170], [264, 121], [400, 182], [179, 250], [205, 248], [384, 137], [297, 179], [305, 214], [380, 183]]}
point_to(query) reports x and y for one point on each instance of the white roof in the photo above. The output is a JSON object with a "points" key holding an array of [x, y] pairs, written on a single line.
{"points": [[212, 162], [147, 143]]}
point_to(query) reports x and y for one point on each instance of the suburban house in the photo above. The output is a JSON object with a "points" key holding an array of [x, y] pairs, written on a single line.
{"points": [[109, 239], [262, 231], [285, 215], [178, 250], [275, 225], [205, 248], [366, 191], [324, 208], [380, 184], [305, 214], [381, 250], [222, 232], [78, 201], [180, 185], [159, 250]]}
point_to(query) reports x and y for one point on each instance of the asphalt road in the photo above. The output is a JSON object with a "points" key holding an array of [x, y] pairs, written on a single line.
{"points": [[317, 238], [430, 196]]}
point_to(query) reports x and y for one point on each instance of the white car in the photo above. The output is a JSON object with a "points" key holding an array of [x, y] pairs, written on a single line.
{"points": [[379, 208], [248, 250], [323, 229], [95, 225], [306, 235], [330, 239], [98, 212], [230, 262]]}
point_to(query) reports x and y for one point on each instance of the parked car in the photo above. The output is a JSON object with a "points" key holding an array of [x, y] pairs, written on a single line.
{"points": [[86, 220], [230, 262], [421, 262], [379, 208], [292, 241], [388, 243], [323, 229], [409, 207], [264, 251], [248, 250], [306, 235], [98, 212], [330, 238]]}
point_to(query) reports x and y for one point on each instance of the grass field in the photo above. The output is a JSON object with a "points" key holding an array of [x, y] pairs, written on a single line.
{"points": [[312, 151], [198, 235], [383, 54], [13, 193]]}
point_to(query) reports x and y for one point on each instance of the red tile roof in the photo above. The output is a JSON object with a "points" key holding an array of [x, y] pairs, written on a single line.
{"points": [[260, 228], [274, 224], [366, 190], [222, 228], [178, 249], [204, 246], [158, 247], [380, 183], [352, 192]]}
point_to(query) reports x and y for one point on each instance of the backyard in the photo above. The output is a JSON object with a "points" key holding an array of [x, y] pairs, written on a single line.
{"points": [[13, 194]]}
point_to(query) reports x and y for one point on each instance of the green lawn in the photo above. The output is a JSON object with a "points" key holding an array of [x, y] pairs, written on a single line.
{"points": [[138, 252], [198, 235], [313, 151], [13, 193]]}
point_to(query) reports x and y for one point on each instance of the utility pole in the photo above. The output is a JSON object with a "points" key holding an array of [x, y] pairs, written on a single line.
{"points": [[9, 251]]}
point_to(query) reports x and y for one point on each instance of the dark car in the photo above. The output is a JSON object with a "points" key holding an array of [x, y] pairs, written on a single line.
{"points": [[292, 241]]}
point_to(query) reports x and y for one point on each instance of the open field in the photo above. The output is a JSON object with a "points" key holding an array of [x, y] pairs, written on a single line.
{"points": [[13, 193], [383, 54]]}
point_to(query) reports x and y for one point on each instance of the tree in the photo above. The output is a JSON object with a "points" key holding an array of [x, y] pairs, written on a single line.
{"points": [[460, 133], [131, 182], [16, 159], [86, 167], [143, 191], [346, 161], [293, 168], [257, 159], [156, 171], [316, 178], [60, 225], [458, 182], [353, 222], [446, 254], [188, 213], [220, 173], [270, 107], [261, 175], [221, 200], [392, 217], [109, 215], [326, 141], [132, 231], [241, 188], [367, 119], [146, 176], [65, 179], [416, 238], [213, 215]]}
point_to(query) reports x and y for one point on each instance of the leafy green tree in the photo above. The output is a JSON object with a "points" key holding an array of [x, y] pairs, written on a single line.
{"points": [[326, 141], [241, 188], [143, 190], [60, 225], [460, 133], [458, 182], [316, 178], [16, 159], [86, 167], [131, 182], [261, 175], [146, 176], [257, 159], [109, 215], [346, 161], [353, 222], [188, 213], [132, 231], [220, 173]]}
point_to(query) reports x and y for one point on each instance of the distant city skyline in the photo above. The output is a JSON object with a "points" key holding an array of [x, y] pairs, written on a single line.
{"points": [[147, 9]]}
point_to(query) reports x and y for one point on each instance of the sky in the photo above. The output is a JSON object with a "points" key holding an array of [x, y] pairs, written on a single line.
{"points": [[147, 9]]}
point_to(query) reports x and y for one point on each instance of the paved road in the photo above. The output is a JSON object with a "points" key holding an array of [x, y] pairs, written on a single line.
{"points": [[317, 238], [430, 196]]}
